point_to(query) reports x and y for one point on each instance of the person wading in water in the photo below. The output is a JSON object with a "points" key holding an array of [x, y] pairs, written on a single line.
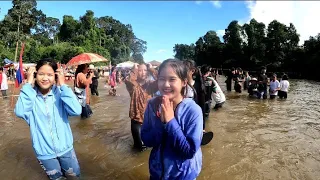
{"points": [[46, 108], [197, 91], [173, 127], [140, 90]]}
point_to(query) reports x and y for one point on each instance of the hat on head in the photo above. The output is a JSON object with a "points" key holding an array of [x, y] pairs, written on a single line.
{"points": [[91, 66], [254, 79]]}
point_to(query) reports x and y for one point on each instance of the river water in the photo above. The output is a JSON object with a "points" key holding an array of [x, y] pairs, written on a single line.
{"points": [[254, 139]]}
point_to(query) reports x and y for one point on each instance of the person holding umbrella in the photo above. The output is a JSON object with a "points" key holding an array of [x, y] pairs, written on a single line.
{"points": [[81, 89]]}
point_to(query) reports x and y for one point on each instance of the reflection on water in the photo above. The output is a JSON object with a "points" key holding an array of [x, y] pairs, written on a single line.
{"points": [[254, 139]]}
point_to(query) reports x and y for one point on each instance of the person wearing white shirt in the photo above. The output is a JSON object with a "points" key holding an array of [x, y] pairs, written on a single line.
{"points": [[284, 87], [217, 95], [274, 87], [4, 83]]}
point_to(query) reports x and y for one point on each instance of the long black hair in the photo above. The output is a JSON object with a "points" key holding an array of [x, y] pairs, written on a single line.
{"points": [[197, 76], [79, 69]]}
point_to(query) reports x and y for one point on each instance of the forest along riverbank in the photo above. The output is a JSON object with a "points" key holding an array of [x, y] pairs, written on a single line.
{"points": [[254, 139]]}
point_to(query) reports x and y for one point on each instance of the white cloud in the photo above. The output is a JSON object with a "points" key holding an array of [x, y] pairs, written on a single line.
{"points": [[303, 14], [216, 4], [221, 32], [161, 51]]}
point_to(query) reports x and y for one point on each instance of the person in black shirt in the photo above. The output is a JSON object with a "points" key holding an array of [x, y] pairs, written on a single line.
{"points": [[263, 84], [209, 85], [94, 84], [230, 76], [238, 78], [197, 91]]}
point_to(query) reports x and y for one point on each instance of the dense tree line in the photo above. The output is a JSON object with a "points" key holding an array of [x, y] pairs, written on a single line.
{"points": [[48, 37], [254, 45]]}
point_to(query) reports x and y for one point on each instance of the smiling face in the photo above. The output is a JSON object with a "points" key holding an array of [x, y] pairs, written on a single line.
{"points": [[170, 84], [45, 78]]}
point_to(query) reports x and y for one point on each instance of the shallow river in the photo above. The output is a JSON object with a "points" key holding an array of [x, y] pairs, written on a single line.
{"points": [[254, 139]]}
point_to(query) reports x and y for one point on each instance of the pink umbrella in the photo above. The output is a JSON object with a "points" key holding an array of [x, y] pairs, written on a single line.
{"points": [[85, 58]]}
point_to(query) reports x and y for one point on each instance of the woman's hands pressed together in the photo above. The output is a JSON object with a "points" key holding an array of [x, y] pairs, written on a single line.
{"points": [[167, 112]]}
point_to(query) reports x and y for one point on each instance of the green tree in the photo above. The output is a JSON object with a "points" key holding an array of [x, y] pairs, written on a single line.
{"points": [[184, 51], [254, 43], [233, 44]]}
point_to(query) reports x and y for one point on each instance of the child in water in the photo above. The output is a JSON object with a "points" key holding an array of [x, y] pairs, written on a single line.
{"points": [[173, 127], [284, 87], [46, 107]]}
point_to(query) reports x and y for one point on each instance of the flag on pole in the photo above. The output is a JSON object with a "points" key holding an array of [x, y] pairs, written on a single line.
{"points": [[20, 74]]}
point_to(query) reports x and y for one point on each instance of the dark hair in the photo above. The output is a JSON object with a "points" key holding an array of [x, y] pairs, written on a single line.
{"points": [[284, 77], [178, 67], [46, 61], [1, 68], [199, 87], [112, 69], [190, 64], [205, 69], [80, 68]]}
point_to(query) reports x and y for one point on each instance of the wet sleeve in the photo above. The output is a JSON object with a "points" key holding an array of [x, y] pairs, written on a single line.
{"points": [[25, 103], [150, 135], [186, 144], [70, 101]]}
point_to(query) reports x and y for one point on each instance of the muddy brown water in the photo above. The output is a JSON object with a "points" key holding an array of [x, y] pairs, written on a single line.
{"points": [[254, 139]]}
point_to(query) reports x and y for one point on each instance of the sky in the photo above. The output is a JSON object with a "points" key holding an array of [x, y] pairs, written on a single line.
{"points": [[164, 24]]}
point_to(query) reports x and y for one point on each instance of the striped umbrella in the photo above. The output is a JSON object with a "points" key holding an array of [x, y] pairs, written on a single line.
{"points": [[85, 58]]}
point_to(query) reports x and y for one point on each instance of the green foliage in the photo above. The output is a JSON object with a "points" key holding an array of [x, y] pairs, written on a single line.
{"points": [[47, 37], [253, 45]]}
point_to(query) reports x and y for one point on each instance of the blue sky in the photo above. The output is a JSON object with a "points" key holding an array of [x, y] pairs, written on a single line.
{"points": [[161, 24]]}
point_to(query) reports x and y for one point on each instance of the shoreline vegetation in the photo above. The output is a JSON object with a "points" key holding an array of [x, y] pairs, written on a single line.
{"points": [[253, 45], [48, 37]]}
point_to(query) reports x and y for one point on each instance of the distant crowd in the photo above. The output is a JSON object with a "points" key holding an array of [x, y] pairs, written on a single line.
{"points": [[257, 86]]}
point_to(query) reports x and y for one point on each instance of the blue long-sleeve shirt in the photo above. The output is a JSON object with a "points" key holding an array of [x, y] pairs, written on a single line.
{"points": [[176, 152], [47, 117]]}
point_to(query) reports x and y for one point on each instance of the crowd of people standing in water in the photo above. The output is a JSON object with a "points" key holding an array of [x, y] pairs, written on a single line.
{"points": [[169, 108], [257, 86]]}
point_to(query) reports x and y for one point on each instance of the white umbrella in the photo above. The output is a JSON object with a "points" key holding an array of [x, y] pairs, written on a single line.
{"points": [[127, 64]]}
